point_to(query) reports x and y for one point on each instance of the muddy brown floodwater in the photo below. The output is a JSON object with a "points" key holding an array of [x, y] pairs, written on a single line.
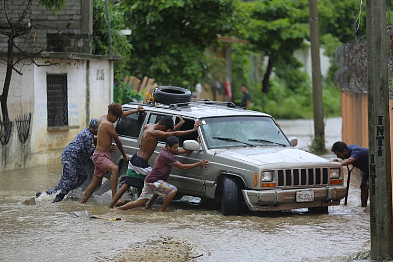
{"points": [[187, 232]]}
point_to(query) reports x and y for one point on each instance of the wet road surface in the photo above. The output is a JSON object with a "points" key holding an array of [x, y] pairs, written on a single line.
{"points": [[50, 232]]}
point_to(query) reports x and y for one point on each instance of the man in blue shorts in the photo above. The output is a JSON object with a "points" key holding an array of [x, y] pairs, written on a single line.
{"points": [[155, 181], [358, 157]]}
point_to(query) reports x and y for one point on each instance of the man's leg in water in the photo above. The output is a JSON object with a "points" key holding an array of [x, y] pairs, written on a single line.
{"points": [[364, 195], [90, 189], [73, 178], [118, 194], [151, 202], [133, 204], [112, 167], [167, 200], [67, 168]]}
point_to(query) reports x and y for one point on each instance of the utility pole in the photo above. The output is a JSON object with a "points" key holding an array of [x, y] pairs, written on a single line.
{"points": [[319, 129], [381, 220]]}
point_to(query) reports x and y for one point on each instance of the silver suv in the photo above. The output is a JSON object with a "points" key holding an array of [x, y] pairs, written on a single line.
{"points": [[252, 162]]}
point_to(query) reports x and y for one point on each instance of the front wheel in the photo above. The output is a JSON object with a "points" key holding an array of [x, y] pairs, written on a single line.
{"points": [[230, 199]]}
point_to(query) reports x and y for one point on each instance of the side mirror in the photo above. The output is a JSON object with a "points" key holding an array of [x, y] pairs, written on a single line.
{"points": [[191, 145], [293, 141]]}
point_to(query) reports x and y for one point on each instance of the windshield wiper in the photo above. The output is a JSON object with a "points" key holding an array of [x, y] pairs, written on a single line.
{"points": [[264, 140], [232, 140]]}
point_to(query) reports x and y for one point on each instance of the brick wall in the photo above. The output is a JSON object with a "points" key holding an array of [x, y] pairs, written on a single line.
{"points": [[43, 21]]}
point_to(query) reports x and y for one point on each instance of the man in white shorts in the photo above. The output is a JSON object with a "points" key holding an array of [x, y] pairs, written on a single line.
{"points": [[155, 181]]}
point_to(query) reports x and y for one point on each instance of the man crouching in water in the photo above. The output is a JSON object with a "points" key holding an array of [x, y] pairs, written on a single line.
{"points": [[101, 156], [155, 181]]}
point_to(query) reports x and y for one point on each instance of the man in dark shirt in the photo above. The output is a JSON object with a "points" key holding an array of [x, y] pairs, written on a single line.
{"points": [[358, 157], [245, 103], [155, 181]]}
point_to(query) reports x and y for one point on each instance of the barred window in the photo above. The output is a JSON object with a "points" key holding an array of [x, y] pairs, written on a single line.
{"points": [[57, 99]]}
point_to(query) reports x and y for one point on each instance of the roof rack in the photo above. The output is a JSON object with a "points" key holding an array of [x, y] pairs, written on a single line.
{"points": [[175, 106], [153, 104], [209, 102]]}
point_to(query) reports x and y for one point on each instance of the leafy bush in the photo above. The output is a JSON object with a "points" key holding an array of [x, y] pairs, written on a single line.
{"points": [[123, 94]]}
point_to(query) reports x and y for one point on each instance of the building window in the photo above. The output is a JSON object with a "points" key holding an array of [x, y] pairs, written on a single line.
{"points": [[57, 100]]}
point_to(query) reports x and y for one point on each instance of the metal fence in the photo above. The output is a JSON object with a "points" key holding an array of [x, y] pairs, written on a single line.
{"points": [[351, 57], [5, 132], [23, 127]]}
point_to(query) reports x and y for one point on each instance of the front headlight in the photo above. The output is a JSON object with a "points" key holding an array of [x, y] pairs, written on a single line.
{"points": [[267, 176], [334, 173]]}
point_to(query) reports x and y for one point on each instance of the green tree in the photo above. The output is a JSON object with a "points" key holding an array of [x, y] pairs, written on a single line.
{"points": [[337, 18], [57, 4], [170, 37], [120, 44], [277, 28]]}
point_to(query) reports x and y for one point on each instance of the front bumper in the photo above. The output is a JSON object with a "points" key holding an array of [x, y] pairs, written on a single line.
{"points": [[284, 199]]}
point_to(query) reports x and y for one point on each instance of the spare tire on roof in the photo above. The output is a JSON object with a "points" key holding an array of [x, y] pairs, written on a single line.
{"points": [[171, 95]]}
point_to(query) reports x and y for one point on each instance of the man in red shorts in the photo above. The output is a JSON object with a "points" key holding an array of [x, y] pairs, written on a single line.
{"points": [[101, 156], [155, 181]]}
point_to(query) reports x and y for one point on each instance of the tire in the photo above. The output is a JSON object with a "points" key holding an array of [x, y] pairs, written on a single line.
{"points": [[171, 95], [319, 210], [230, 199]]}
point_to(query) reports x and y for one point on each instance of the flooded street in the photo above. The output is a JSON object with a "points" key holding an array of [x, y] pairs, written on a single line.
{"points": [[50, 232]]}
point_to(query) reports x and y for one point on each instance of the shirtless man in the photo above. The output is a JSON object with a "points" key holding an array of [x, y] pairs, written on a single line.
{"points": [[101, 156], [138, 166]]}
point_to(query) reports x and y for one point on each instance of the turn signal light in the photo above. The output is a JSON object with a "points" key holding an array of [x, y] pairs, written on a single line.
{"points": [[336, 181], [256, 179], [268, 184]]}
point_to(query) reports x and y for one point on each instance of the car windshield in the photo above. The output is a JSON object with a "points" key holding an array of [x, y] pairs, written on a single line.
{"points": [[221, 132]]}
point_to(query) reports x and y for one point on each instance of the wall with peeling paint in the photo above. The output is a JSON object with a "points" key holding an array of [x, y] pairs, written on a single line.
{"points": [[89, 90]]}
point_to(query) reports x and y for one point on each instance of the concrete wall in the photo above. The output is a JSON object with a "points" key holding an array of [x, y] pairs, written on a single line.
{"points": [[304, 56], [43, 21], [89, 93]]}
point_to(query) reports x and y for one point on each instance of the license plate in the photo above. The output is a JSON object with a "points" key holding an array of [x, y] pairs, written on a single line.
{"points": [[304, 196]]}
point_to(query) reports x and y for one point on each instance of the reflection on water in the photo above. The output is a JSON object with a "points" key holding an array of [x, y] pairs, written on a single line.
{"points": [[50, 232]]}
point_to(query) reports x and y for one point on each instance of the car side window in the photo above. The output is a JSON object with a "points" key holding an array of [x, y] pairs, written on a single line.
{"points": [[131, 125], [154, 119], [189, 124]]}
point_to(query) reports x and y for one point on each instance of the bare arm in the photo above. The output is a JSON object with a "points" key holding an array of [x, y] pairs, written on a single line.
{"points": [[129, 112], [114, 135], [348, 161], [176, 127], [183, 151], [247, 104], [202, 163], [161, 134]]}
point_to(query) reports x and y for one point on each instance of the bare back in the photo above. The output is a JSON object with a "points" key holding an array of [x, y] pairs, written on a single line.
{"points": [[148, 143], [153, 132], [104, 137]]}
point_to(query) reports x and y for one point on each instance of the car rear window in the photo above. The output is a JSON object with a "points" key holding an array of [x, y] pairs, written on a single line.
{"points": [[131, 125]]}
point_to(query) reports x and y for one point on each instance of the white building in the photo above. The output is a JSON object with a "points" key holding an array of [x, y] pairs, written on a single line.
{"points": [[304, 56], [61, 99]]}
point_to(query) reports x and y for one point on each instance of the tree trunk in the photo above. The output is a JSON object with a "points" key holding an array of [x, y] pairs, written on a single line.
{"points": [[7, 81], [266, 77]]}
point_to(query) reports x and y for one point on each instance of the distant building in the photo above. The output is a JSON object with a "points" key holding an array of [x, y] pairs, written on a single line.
{"points": [[304, 56], [60, 98]]}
